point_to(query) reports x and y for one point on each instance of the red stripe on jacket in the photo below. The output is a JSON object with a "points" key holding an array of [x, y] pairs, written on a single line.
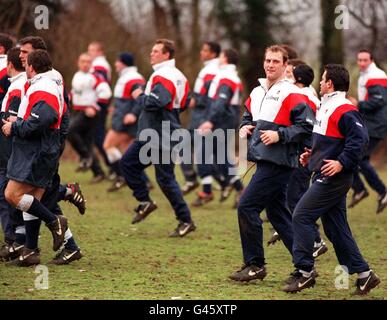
{"points": [[248, 104], [207, 78], [183, 103], [16, 93], [47, 98], [3, 74], [167, 84], [129, 87], [333, 121], [231, 84], [290, 102]]}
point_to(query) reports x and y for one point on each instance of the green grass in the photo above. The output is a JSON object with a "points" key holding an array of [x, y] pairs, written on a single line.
{"points": [[140, 262]]}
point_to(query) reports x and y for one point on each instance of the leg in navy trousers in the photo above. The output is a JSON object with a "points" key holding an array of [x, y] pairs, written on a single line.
{"points": [[133, 169], [326, 199], [266, 190], [369, 172]]}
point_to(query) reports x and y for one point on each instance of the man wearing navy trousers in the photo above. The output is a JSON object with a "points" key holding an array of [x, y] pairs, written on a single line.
{"points": [[339, 141], [277, 119], [165, 96]]}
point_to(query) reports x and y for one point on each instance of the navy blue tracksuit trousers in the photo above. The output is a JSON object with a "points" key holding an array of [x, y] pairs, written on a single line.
{"points": [[326, 199], [298, 184], [133, 169], [266, 190], [369, 172]]}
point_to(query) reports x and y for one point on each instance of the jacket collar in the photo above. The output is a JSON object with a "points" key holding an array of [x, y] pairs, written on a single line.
{"points": [[39, 76], [329, 96], [263, 83], [371, 67], [212, 61], [228, 67], [128, 69], [169, 63], [18, 76]]}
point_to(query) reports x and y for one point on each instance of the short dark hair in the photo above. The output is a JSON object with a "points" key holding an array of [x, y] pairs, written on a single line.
{"points": [[40, 61], [232, 56], [168, 46], [214, 47], [13, 56], [339, 76], [366, 51], [296, 62], [303, 74], [6, 41], [292, 53], [278, 48], [35, 42]]}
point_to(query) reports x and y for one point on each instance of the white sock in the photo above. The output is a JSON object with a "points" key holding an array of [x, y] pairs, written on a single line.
{"points": [[29, 217], [306, 274], [365, 274]]}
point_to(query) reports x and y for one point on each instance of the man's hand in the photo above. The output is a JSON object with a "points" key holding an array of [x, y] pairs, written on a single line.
{"points": [[246, 131], [192, 103], [129, 118], [269, 137], [6, 128], [205, 127], [331, 167], [137, 92], [90, 112], [12, 119], [305, 157]]}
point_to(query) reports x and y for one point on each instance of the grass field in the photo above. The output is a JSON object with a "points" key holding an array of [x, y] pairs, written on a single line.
{"points": [[122, 261]]}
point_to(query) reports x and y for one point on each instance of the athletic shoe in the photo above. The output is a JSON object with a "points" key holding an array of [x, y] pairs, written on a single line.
{"points": [[84, 165], [295, 274], [357, 197], [226, 192], [203, 198], [249, 273], [298, 282], [10, 251], [319, 249], [365, 285], [143, 210], [58, 229], [66, 256], [189, 186], [112, 176], [183, 229], [274, 238], [117, 185], [76, 197], [98, 178], [27, 258], [382, 203]]}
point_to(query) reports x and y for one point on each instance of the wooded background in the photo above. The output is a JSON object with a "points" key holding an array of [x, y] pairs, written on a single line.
{"points": [[246, 25]]}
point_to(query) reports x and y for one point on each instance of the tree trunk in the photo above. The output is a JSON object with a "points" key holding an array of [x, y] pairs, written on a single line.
{"points": [[332, 38]]}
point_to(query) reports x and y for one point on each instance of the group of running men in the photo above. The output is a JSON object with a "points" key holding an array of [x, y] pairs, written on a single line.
{"points": [[293, 138]]}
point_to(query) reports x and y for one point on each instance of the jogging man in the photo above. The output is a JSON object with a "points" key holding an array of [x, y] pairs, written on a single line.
{"points": [[277, 120], [372, 95], [339, 141], [165, 96]]}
